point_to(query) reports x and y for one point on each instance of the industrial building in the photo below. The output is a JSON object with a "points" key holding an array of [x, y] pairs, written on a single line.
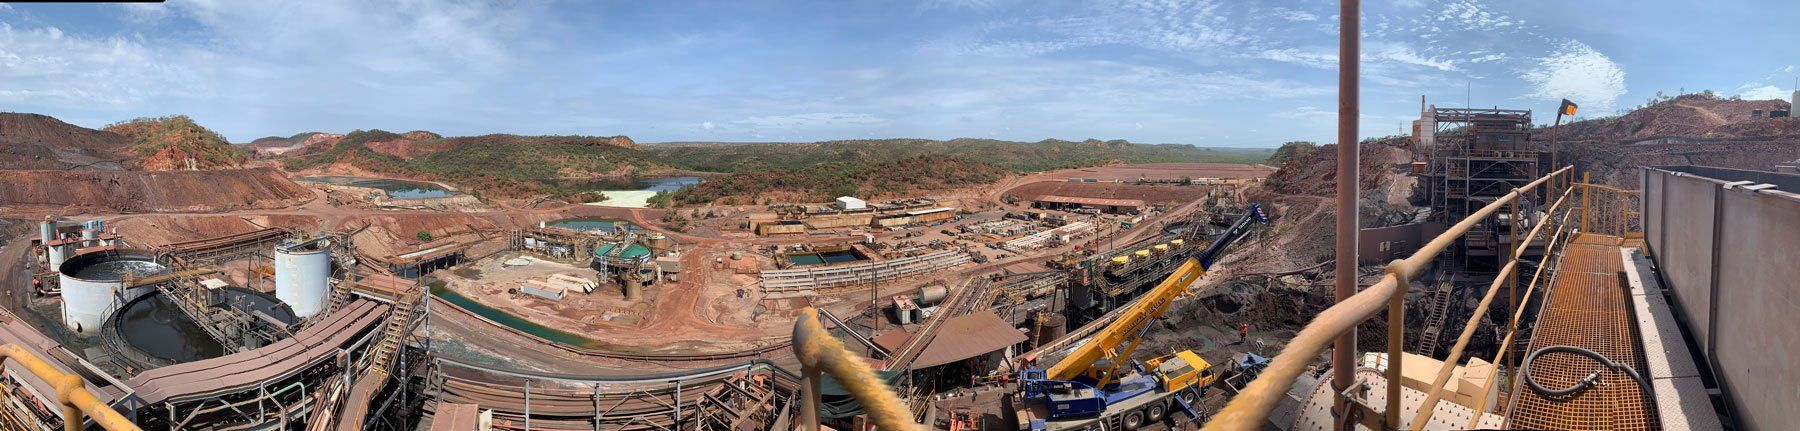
{"points": [[1108, 206]]}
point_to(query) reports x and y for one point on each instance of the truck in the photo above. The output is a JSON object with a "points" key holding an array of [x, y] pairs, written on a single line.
{"points": [[1098, 387]]}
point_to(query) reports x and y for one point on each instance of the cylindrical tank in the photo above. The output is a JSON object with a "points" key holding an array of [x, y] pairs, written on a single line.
{"points": [[46, 231], [931, 295], [301, 270], [660, 242], [57, 254], [93, 285], [1050, 326], [634, 288]]}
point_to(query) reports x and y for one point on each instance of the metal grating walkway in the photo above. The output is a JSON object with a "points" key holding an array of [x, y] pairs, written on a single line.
{"points": [[1588, 307]]}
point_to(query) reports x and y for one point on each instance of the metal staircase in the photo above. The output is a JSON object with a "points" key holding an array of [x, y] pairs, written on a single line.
{"points": [[1440, 299], [399, 322]]}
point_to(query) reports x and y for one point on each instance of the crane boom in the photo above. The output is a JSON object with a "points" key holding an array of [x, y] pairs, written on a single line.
{"points": [[1128, 329]]}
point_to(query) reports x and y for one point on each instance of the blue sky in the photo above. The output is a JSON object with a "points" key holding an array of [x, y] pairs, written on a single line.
{"points": [[1241, 73]]}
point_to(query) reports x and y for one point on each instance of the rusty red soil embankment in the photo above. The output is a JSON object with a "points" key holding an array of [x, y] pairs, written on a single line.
{"points": [[137, 191]]}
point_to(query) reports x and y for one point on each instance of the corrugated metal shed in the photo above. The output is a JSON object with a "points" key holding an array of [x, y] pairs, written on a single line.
{"points": [[965, 337]]}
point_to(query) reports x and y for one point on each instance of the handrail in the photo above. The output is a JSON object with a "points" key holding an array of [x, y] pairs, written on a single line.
{"points": [[1462, 341], [71, 392], [1251, 407], [820, 353], [1513, 327]]}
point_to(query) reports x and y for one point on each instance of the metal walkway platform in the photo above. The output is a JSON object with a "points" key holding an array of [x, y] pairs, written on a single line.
{"points": [[1587, 307]]}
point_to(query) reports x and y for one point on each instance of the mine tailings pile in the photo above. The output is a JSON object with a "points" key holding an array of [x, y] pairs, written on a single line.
{"points": [[137, 191]]}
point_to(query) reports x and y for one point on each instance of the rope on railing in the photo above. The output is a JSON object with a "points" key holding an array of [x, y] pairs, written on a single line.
{"points": [[71, 392], [820, 353], [1251, 407]]}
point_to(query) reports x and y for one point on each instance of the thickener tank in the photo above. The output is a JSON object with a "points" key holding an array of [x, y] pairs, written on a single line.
{"points": [[302, 267], [94, 285]]}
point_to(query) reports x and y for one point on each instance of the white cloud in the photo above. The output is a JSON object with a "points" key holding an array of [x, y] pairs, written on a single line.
{"points": [[812, 120], [1577, 72], [1766, 92], [1295, 15], [707, 125], [44, 66]]}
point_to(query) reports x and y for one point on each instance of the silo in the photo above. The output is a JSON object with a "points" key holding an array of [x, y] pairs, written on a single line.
{"points": [[93, 285], [57, 254], [660, 242], [301, 270], [1050, 326], [634, 288], [46, 231]]}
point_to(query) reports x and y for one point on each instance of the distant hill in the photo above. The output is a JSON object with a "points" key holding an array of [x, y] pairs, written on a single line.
{"points": [[825, 181], [1693, 115], [1043, 155], [499, 163], [33, 141], [177, 143]]}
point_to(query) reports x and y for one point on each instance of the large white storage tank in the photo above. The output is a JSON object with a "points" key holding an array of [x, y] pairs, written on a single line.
{"points": [[302, 267], [93, 285]]}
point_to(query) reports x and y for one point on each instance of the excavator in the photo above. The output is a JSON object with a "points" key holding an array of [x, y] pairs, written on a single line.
{"points": [[1097, 387]]}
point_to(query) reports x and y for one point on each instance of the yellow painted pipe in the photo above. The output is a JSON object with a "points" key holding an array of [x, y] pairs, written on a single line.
{"points": [[71, 392], [818, 353]]}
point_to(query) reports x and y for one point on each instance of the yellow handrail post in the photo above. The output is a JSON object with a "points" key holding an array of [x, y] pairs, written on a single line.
{"points": [[820, 353], [71, 393], [1395, 340], [1587, 201]]}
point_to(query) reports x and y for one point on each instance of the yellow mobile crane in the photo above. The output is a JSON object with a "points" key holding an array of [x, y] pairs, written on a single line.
{"points": [[1091, 389]]}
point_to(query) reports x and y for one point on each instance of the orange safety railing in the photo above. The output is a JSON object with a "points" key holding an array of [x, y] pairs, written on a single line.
{"points": [[1611, 210], [71, 392], [1504, 278], [1250, 408]]}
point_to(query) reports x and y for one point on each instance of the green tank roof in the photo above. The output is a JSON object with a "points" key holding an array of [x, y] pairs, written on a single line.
{"points": [[632, 251]]}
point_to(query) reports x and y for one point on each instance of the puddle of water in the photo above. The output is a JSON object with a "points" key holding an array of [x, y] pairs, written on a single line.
{"points": [[585, 224]]}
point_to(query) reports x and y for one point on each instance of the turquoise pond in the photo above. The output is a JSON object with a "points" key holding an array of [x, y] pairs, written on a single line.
{"points": [[644, 184], [825, 258], [585, 224], [396, 188], [512, 321]]}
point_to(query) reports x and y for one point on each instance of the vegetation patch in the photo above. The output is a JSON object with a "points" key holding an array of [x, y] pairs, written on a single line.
{"points": [[825, 181], [177, 142]]}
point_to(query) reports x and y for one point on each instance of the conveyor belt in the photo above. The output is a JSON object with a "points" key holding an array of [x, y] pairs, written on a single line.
{"points": [[245, 370]]}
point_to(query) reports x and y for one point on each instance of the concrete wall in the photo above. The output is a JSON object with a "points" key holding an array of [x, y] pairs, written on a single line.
{"points": [[1730, 256], [838, 221], [1380, 245]]}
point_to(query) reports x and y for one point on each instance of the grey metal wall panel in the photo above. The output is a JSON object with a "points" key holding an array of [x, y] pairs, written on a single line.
{"points": [[1686, 259], [1742, 310], [1757, 339]]}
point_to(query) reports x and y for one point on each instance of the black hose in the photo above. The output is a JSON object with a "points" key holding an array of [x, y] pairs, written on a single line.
{"points": [[1591, 380]]}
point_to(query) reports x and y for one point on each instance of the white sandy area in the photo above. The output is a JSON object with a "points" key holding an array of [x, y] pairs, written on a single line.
{"points": [[625, 198]]}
